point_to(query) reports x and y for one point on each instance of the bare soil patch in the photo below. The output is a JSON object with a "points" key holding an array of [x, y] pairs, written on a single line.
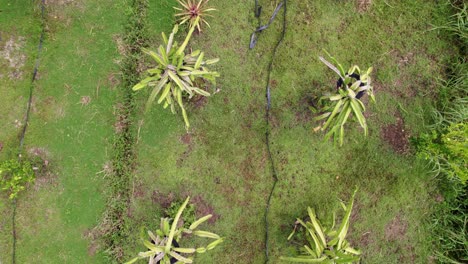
{"points": [[40, 159], [396, 229], [85, 100], [199, 101], [363, 5], [12, 56], [122, 121], [186, 139], [165, 200], [92, 236], [113, 80], [202, 208], [396, 135]]}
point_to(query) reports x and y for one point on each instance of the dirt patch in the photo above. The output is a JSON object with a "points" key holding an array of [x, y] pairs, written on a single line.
{"points": [[199, 101], [304, 113], [396, 229], [247, 169], [365, 240], [39, 155], [40, 159], [202, 208], [1, 146], [92, 236], [121, 46], [13, 56], [113, 80], [122, 121], [59, 2], [165, 200], [363, 5], [396, 135], [85, 100], [186, 139]]}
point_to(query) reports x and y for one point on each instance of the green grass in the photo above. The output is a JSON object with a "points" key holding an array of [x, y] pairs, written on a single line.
{"points": [[222, 163], [226, 162], [20, 25], [56, 217]]}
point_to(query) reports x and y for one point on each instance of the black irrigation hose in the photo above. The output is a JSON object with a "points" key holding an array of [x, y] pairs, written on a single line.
{"points": [[26, 120], [253, 41]]}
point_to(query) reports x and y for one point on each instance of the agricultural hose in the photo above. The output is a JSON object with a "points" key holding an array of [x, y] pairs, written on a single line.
{"points": [[253, 42]]}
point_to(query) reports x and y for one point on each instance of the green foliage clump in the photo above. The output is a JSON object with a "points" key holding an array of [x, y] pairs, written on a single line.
{"points": [[446, 146], [176, 73], [14, 176], [190, 10], [448, 152], [188, 214], [114, 228], [164, 246], [350, 88], [325, 245], [450, 226]]}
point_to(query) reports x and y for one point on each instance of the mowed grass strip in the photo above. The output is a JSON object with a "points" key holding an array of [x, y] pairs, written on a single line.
{"points": [[71, 130], [19, 36], [223, 162], [20, 28]]}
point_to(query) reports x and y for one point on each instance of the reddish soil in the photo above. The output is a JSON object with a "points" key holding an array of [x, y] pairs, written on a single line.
{"points": [[1, 146], [396, 136], [165, 200], [186, 139], [199, 101], [396, 229], [202, 208]]}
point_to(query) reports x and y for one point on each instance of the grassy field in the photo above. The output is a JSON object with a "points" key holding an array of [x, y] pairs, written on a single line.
{"points": [[71, 128], [222, 161], [19, 35], [19, 38]]}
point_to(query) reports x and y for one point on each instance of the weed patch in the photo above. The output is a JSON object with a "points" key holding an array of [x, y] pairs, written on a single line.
{"points": [[113, 227]]}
